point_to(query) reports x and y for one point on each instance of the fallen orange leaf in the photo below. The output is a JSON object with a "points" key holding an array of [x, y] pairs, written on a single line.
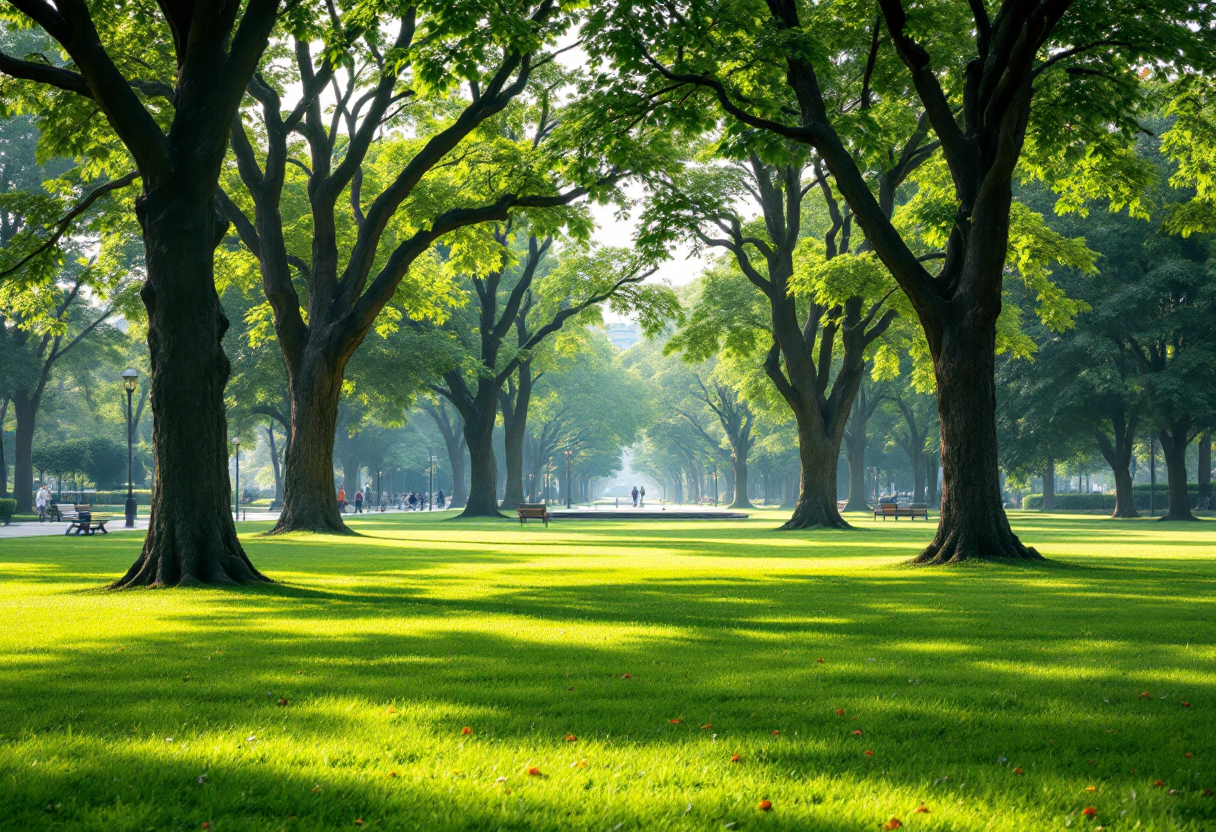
{"points": [[857, 733], [1091, 788], [869, 753], [1158, 783], [776, 733], [467, 731], [534, 772], [821, 661], [766, 805], [579, 764], [282, 702], [893, 823], [922, 809], [735, 758], [1144, 695], [1089, 811], [1018, 770], [392, 774], [674, 721], [391, 709], [840, 712], [707, 726], [1186, 704], [570, 738], [626, 676], [1188, 754]]}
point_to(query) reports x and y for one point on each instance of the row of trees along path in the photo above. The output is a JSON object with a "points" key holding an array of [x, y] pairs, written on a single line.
{"points": [[1022, 70]]}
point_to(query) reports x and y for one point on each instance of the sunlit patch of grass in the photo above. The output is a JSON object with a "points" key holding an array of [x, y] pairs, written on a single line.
{"points": [[995, 696]]}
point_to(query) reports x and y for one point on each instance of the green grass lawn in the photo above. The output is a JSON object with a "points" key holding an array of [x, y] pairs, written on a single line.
{"points": [[625, 662]]}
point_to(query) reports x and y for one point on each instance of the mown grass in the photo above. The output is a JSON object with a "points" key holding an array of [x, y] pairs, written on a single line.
{"points": [[995, 696]]}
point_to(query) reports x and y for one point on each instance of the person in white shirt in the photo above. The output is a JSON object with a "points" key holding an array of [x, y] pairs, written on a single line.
{"points": [[41, 500]]}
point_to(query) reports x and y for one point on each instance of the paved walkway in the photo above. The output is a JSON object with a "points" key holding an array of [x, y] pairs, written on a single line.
{"points": [[36, 529]]}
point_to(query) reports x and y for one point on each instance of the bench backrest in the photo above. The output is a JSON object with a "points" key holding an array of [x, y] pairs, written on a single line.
{"points": [[888, 508], [531, 510]]}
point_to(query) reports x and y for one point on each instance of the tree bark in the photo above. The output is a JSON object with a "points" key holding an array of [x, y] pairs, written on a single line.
{"points": [[973, 522], [25, 412], [1049, 485], [1174, 441], [191, 536], [818, 450], [1118, 456], [855, 451], [740, 470], [483, 466], [515, 402], [1205, 470], [310, 501]]}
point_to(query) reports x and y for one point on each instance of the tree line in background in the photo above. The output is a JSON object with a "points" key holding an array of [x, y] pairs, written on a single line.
{"points": [[380, 205]]}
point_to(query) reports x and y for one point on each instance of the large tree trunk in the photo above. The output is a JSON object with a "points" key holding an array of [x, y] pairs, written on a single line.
{"points": [[818, 451], [515, 431], [310, 501], [1205, 470], [1118, 456], [191, 536], [740, 470], [973, 522], [855, 451], [25, 412], [1173, 448], [1049, 485], [483, 467]]}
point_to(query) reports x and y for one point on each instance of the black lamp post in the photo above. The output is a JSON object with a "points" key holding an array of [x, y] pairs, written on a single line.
{"points": [[236, 452], [569, 456], [130, 378], [715, 486]]}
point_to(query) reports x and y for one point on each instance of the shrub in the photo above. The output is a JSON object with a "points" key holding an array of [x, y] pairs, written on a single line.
{"points": [[7, 507], [1106, 501]]}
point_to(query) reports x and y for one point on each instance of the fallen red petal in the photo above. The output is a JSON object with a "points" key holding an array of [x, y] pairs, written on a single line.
{"points": [[1089, 811], [766, 805]]}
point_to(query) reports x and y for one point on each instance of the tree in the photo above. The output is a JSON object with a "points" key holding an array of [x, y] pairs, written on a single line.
{"points": [[175, 132], [1047, 85], [582, 280], [451, 428], [448, 163]]}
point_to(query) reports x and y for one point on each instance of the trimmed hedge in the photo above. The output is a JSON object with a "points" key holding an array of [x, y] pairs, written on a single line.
{"points": [[7, 507], [1106, 501], [143, 497]]}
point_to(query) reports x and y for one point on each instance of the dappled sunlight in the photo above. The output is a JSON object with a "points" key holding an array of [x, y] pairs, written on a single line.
{"points": [[661, 656]]}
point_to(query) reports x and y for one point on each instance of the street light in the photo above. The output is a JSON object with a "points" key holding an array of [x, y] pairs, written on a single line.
{"points": [[569, 455], [130, 378], [548, 479], [236, 452], [715, 486]]}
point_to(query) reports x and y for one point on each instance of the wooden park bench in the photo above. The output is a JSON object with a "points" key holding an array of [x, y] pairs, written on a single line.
{"points": [[89, 523], [532, 511], [896, 511]]}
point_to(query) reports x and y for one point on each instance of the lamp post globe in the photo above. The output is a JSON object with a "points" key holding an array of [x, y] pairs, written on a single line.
{"points": [[130, 379], [236, 487]]}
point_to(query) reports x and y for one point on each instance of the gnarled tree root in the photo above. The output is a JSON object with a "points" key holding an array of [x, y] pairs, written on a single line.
{"points": [[197, 551]]}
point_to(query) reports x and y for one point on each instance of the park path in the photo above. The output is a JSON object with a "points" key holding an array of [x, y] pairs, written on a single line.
{"points": [[36, 529]]}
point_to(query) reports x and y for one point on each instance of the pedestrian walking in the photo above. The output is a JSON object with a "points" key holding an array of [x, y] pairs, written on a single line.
{"points": [[442, 505], [41, 500], [341, 500], [635, 496], [642, 497], [358, 502]]}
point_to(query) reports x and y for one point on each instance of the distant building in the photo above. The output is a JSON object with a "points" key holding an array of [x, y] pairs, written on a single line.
{"points": [[624, 334]]}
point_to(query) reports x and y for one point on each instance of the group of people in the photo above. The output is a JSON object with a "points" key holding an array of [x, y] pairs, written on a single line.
{"points": [[405, 501], [639, 497]]}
